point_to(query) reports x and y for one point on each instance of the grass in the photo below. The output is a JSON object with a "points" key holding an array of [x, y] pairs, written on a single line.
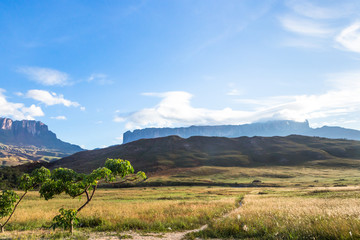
{"points": [[331, 213], [145, 209], [281, 176], [289, 212]]}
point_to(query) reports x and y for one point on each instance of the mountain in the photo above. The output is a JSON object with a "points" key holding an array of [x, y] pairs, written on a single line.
{"points": [[174, 152], [265, 129], [27, 140]]}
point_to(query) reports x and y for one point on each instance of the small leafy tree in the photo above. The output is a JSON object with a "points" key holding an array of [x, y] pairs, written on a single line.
{"points": [[9, 200], [74, 184]]}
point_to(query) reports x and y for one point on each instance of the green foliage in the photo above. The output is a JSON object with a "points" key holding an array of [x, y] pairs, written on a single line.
{"points": [[75, 184], [62, 180], [119, 167], [66, 219], [34, 179], [9, 177], [8, 199]]}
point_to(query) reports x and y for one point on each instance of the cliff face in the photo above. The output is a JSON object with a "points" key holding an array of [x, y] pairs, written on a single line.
{"points": [[32, 133], [271, 128], [265, 129]]}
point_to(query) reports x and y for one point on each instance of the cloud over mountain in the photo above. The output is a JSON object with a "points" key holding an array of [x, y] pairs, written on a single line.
{"points": [[18, 110], [175, 108]]}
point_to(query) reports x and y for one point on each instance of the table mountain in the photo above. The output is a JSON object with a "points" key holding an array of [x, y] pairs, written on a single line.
{"points": [[27, 140], [265, 129]]}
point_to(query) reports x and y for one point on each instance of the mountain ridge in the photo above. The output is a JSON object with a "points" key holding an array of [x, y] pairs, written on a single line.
{"points": [[158, 154], [265, 129], [29, 140]]}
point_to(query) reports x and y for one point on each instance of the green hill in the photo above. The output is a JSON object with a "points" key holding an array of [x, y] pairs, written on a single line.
{"points": [[173, 152]]}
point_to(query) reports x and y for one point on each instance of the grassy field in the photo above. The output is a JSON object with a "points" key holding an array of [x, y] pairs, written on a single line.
{"points": [[320, 213], [144, 209], [308, 203], [281, 176], [266, 213]]}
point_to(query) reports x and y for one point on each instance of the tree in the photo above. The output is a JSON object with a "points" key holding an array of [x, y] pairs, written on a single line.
{"points": [[74, 184], [9, 199]]}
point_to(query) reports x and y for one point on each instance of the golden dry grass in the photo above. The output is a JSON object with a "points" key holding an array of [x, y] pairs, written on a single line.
{"points": [[150, 209], [330, 213]]}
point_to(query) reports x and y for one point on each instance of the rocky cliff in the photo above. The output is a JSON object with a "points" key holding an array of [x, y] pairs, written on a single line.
{"points": [[32, 133], [265, 129]]}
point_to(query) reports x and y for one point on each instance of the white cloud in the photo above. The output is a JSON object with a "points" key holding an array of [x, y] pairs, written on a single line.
{"points": [[59, 118], [175, 109], [322, 26], [45, 76], [234, 92], [349, 38], [119, 119], [305, 26], [18, 111], [310, 10], [50, 99], [100, 78]]}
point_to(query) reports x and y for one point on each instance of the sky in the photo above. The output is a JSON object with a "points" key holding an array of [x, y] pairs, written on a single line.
{"points": [[92, 70]]}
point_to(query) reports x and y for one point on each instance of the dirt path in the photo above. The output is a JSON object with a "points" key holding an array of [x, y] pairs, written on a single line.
{"points": [[163, 236]]}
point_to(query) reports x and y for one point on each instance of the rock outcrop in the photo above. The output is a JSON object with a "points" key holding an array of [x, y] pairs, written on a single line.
{"points": [[32, 133]]}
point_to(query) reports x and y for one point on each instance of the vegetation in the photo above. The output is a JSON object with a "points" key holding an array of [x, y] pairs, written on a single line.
{"points": [[68, 181], [9, 177], [173, 153], [270, 213], [9, 197], [151, 210], [325, 213]]}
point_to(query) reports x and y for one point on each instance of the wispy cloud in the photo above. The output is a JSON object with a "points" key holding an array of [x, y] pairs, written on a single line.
{"points": [[50, 98], [100, 78], [323, 26], [18, 111], [305, 26], [310, 10], [59, 118], [349, 38], [234, 91], [175, 108], [45, 76]]}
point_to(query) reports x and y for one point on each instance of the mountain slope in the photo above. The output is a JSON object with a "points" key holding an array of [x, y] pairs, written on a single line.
{"points": [[265, 129], [24, 141], [173, 152]]}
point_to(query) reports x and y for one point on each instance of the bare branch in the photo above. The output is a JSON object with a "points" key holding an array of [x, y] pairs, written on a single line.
{"points": [[88, 198], [3, 225]]}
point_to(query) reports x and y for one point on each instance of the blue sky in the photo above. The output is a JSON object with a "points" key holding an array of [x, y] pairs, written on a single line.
{"points": [[92, 70]]}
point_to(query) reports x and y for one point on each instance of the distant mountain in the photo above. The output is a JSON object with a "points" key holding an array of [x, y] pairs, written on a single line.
{"points": [[265, 129], [22, 141], [173, 152]]}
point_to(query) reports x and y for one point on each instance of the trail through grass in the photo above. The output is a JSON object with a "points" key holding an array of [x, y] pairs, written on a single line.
{"points": [[292, 214]]}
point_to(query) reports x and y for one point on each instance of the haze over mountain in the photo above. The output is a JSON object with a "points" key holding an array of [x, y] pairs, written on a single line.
{"points": [[265, 129], [27, 140], [173, 152]]}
